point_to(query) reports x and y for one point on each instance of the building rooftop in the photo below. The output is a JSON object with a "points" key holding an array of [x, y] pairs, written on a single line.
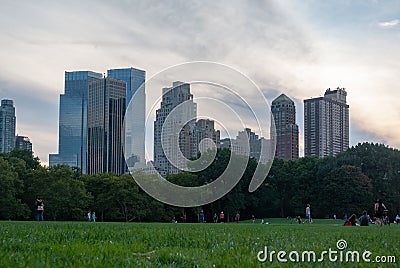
{"points": [[282, 98]]}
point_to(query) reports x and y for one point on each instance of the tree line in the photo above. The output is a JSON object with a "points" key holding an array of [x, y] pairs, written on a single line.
{"points": [[348, 183]]}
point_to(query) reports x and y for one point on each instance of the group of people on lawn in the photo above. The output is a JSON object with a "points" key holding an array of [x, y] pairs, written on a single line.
{"points": [[380, 217], [91, 216], [380, 212]]}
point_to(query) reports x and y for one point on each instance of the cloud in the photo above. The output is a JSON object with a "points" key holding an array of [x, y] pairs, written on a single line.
{"points": [[389, 24], [283, 46]]}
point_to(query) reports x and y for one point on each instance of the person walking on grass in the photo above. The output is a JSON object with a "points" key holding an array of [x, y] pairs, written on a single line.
{"points": [[379, 209], [89, 216], [93, 216], [308, 213], [237, 218], [201, 216]]}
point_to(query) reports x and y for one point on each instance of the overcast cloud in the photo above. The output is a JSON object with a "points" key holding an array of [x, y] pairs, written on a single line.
{"points": [[293, 47]]}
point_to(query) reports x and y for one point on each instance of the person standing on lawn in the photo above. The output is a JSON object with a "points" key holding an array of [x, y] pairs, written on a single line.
{"points": [[39, 209], [222, 217], [308, 213], [201, 216]]}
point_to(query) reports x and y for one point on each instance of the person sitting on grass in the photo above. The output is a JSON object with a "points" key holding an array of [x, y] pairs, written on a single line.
{"points": [[397, 219], [351, 221], [364, 220]]}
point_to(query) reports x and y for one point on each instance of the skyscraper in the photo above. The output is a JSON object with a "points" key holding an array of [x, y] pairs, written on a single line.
{"points": [[287, 131], [326, 124], [7, 126], [246, 143], [106, 110], [135, 130], [72, 132], [204, 136], [23, 143], [171, 132]]}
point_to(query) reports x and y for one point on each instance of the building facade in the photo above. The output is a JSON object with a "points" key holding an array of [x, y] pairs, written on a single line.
{"points": [[175, 121], [247, 142], [7, 126], [23, 143], [204, 136], [105, 136], [225, 143], [134, 130], [72, 140], [286, 131], [326, 124]]}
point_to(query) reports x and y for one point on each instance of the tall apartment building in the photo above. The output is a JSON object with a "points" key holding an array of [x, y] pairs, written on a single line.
{"points": [[23, 143], [205, 136], [326, 124], [286, 132], [106, 110], [72, 139], [249, 143], [171, 131], [7, 126], [135, 129]]}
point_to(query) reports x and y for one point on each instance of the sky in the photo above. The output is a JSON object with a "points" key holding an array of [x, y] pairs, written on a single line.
{"points": [[299, 48]]}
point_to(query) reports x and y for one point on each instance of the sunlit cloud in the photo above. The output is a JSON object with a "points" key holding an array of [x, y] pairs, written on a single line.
{"points": [[389, 24]]}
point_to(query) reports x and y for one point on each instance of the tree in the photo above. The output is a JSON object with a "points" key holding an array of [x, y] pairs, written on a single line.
{"points": [[27, 156], [284, 183], [344, 190], [10, 187], [65, 198]]}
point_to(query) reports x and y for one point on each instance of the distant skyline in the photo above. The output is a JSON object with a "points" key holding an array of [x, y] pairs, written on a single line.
{"points": [[293, 47]]}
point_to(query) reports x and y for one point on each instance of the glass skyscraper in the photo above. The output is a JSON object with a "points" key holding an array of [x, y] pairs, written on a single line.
{"points": [[23, 143], [7, 126], [135, 130], [106, 110], [72, 140]]}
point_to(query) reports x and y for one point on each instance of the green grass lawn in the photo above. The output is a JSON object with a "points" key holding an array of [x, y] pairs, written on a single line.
{"points": [[82, 244]]}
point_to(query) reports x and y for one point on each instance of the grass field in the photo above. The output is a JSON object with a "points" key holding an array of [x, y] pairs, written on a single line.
{"points": [[82, 244]]}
